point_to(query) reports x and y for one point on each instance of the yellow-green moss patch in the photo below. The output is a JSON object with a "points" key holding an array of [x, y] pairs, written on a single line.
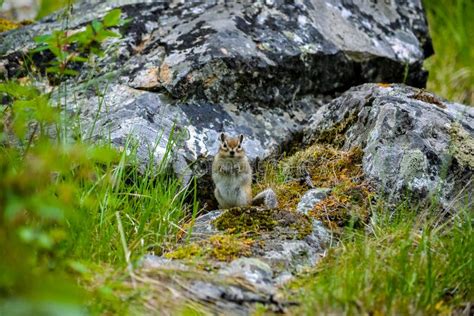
{"points": [[7, 25], [336, 135], [254, 220], [185, 252], [326, 167], [228, 247], [245, 220], [219, 247]]}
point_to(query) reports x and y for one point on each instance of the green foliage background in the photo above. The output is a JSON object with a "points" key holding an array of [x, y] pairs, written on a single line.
{"points": [[451, 24]]}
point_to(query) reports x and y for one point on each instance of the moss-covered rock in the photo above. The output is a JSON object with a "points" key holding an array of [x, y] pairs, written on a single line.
{"points": [[219, 247], [324, 166], [408, 139], [255, 220]]}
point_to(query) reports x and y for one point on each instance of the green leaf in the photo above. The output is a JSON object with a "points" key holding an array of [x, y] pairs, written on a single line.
{"points": [[79, 59], [43, 38], [17, 91], [107, 33], [97, 26], [39, 49], [112, 18], [70, 72], [53, 70], [44, 112]]}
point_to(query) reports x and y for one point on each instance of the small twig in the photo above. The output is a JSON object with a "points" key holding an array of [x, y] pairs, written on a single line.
{"points": [[30, 140]]}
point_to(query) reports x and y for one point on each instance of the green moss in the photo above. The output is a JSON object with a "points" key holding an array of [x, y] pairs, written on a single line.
{"points": [[256, 220], [326, 167], [7, 25], [228, 247], [304, 228], [219, 247], [185, 252], [245, 220], [348, 204], [336, 134]]}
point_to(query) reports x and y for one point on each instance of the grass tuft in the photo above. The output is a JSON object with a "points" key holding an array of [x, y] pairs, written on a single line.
{"points": [[401, 263], [452, 67]]}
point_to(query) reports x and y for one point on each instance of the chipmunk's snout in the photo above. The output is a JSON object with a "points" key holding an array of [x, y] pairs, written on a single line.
{"points": [[232, 153]]}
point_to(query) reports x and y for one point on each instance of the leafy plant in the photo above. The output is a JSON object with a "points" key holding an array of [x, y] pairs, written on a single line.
{"points": [[77, 47]]}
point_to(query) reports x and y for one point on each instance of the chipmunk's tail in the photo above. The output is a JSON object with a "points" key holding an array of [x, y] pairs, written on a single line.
{"points": [[267, 197]]}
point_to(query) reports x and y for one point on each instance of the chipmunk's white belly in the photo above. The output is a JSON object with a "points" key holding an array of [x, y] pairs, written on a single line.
{"points": [[230, 189]]}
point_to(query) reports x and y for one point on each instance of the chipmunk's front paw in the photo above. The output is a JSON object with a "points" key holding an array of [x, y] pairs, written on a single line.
{"points": [[224, 168]]}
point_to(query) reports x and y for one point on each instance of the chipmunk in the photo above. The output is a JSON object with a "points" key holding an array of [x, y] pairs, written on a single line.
{"points": [[232, 175]]}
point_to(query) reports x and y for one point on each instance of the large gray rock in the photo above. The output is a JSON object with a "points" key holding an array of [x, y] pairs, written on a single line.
{"points": [[251, 67], [414, 142]]}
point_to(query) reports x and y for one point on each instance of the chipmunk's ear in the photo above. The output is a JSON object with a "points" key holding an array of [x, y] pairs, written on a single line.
{"points": [[241, 138], [222, 137]]}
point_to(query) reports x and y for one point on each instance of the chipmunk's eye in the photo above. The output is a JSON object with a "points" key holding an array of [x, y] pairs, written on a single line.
{"points": [[225, 145]]}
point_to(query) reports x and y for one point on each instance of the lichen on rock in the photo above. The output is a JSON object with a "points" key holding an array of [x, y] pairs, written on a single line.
{"points": [[462, 145], [407, 142]]}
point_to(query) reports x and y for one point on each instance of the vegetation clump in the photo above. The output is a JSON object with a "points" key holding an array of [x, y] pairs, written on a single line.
{"points": [[219, 247], [323, 166], [246, 220], [409, 262], [254, 220], [335, 135]]}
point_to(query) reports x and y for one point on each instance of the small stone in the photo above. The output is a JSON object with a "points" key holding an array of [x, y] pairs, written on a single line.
{"points": [[252, 269], [311, 198]]}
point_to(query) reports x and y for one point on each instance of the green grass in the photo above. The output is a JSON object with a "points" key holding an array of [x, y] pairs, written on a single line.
{"points": [[406, 263], [451, 24], [66, 205]]}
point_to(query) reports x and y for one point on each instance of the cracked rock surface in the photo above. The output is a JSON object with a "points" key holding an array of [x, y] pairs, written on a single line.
{"points": [[251, 67], [413, 141]]}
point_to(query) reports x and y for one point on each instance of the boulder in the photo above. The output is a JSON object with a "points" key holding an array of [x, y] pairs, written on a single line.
{"points": [[254, 67], [311, 198], [415, 144]]}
